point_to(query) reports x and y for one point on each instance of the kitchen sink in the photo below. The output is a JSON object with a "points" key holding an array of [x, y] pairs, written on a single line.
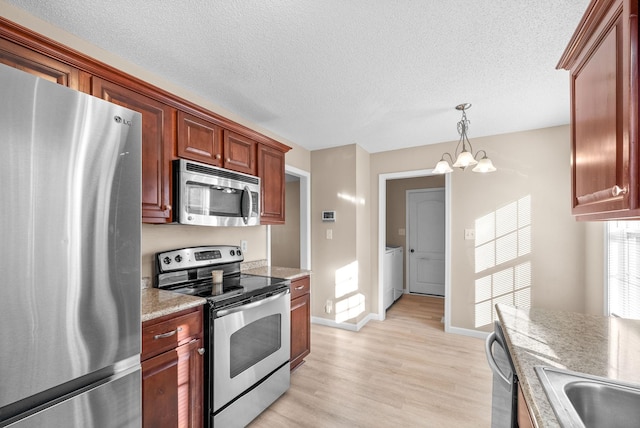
{"points": [[582, 400]]}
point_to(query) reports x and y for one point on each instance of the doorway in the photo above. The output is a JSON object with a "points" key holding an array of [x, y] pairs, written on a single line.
{"points": [[382, 235], [289, 245], [425, 240]]}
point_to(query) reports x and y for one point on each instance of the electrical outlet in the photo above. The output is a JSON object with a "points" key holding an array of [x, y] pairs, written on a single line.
{"points": [[244, 246], [328, 307], [469, 234], [329, 233]]}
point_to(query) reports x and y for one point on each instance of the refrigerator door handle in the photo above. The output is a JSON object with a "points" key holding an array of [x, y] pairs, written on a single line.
{"points": [[490, 358]]}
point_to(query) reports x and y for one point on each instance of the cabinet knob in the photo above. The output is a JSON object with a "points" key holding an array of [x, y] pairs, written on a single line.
{"points": [[201, 351], [218, 156], [617, 191], [166, 207], [228, 160]]}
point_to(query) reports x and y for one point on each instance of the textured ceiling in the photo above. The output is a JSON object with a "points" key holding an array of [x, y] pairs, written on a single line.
{"points": [[384, 74]]}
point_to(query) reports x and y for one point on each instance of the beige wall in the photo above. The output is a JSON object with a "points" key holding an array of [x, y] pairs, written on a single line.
{"points": [[363, 238], [557, 240], [594, 268], [335, 265], [162, 237], [285, 238]]}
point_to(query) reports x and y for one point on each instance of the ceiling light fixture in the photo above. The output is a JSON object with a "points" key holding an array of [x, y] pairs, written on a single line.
{"points": [[466, 157]]}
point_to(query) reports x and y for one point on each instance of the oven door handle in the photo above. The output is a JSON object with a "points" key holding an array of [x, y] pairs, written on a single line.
{"points": [[225, 312]]}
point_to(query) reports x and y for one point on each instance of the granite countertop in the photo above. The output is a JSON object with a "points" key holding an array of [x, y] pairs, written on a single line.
{"points": [[156, 303], [592, 344], [278, 272]]}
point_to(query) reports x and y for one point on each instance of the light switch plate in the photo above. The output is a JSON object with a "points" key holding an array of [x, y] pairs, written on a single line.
{"points": [[469, 234]]}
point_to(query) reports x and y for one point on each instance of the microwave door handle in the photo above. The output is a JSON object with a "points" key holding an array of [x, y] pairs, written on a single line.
{"points": [[247, 207]]}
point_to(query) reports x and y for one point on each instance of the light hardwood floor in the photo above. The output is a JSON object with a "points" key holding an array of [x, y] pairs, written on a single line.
{"points": [[402, 372]]}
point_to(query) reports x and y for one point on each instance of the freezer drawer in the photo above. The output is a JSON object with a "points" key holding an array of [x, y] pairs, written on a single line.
{"points": [[114, 404]]}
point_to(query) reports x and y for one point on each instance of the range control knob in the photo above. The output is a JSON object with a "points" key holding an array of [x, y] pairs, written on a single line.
{"points": [[233, 253], [178, 258], [238, 252], [166, 260]]}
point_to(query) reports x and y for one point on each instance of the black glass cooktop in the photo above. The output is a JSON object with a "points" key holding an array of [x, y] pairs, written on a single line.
{"points": [[233, 288]]}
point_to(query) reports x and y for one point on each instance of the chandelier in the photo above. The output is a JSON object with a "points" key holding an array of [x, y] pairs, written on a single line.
{"points": [[466, 157]]}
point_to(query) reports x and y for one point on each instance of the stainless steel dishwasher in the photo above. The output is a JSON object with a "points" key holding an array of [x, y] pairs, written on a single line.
{"points": [[504, 400]]}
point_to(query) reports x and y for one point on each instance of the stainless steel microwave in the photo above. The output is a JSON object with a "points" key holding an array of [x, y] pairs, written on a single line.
{"points": [[206, 195]]}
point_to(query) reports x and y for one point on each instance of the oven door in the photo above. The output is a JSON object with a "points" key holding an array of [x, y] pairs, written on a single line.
{"points": [[249, 343]]}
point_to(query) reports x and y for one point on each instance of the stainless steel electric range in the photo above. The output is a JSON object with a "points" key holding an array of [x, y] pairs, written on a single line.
{"points": [[247, 330]]}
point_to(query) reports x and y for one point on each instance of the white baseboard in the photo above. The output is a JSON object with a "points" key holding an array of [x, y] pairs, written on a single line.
{"points": [[345, 325], [371, 316], [468, 332]]}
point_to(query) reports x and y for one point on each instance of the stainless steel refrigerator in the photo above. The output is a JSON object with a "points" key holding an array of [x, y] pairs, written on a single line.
{"points": [[70, 167]]}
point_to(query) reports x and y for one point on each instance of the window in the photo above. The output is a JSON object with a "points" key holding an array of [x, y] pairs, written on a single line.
{"points": [[503, 259], [623, 268]]}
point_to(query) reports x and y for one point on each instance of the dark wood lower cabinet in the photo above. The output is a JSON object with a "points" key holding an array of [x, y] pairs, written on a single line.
{"points": [[300, 321], [159, 390], [173, 380]]}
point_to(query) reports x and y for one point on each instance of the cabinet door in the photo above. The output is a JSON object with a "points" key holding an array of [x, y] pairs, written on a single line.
{"points": [[239, 153], [160, 391], [600, 155], [199, 140], [272, 184], [40, 65], [190, 384], [158, 136], [300, 329]]}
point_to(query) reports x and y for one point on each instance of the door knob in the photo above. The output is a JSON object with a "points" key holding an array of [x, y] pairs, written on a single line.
{"points": [[412, 250]]}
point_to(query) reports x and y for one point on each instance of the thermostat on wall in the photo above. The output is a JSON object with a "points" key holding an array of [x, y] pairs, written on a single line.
{"points": [[328, 216]]}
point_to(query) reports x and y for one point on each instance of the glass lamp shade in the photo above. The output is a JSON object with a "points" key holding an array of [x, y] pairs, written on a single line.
{"points": [[464, 160], [485, 165], [442, 167]]}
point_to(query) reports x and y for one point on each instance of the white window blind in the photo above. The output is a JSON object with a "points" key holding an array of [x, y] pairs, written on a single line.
{"points": [[623, 267]]}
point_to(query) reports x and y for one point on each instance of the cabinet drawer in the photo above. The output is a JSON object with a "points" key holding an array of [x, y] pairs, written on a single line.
{"points": [[300, 286], [164, 334]]}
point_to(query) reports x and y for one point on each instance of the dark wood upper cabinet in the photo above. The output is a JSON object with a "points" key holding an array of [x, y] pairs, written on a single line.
{"points": [[172, 127], [199, 140], [32, 62], [239, 153], [158, 130], [272, 184], [602, 60]]}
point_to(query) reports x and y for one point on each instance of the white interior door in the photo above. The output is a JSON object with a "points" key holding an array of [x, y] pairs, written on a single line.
{"points": [[426, 233]]}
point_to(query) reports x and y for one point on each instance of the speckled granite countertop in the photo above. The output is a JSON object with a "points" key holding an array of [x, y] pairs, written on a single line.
{"points": [[156, 303], [597, 345], [278, 272]]}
